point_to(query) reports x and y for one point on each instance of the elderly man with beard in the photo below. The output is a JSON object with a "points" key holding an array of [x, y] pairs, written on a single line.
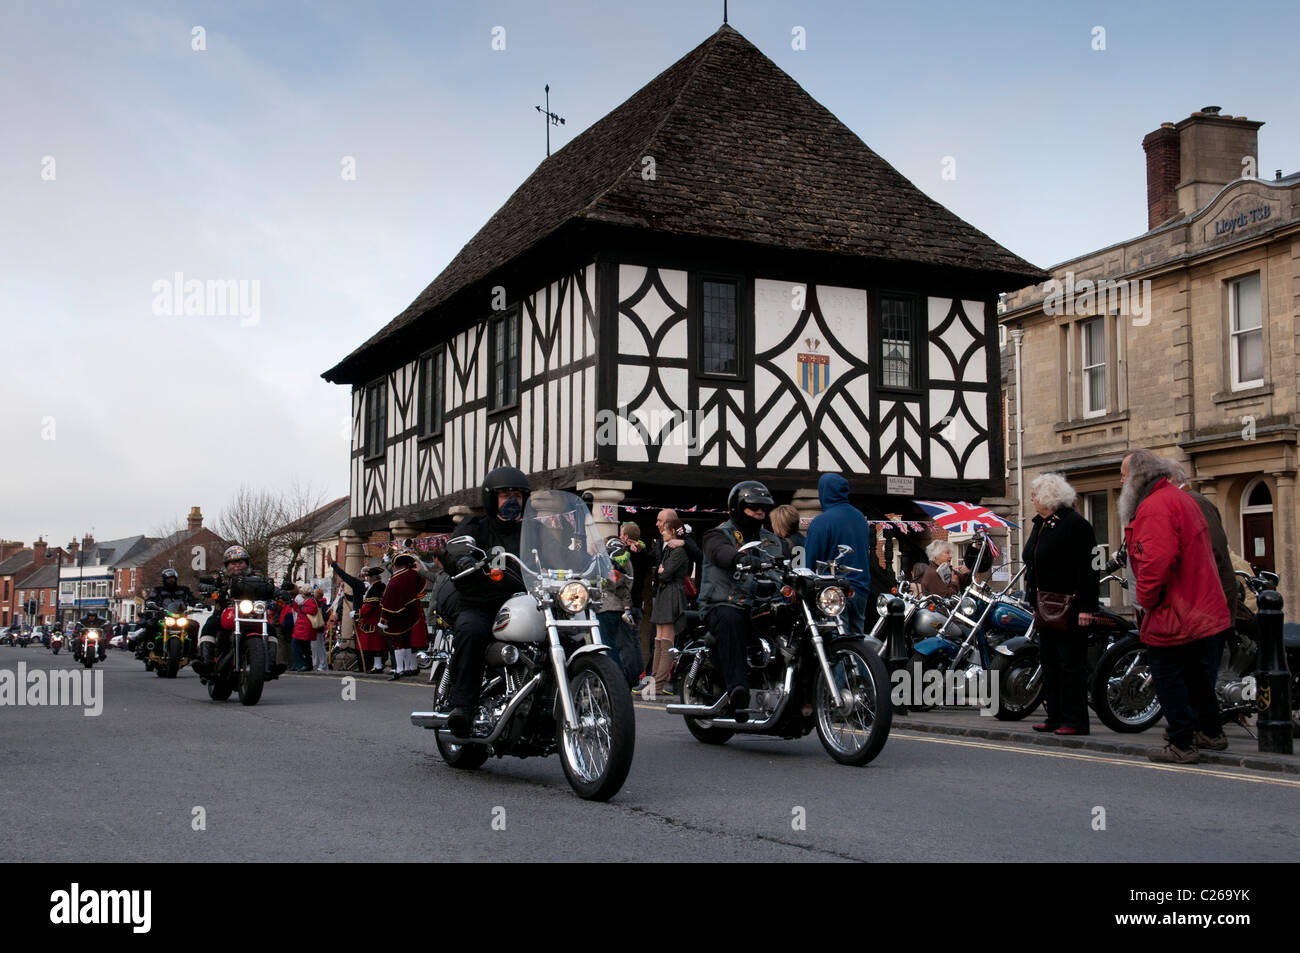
{"points": [[1177, 587]]}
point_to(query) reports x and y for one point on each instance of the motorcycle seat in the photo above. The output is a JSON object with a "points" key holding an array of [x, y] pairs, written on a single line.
{"points": [[1291, 635]]}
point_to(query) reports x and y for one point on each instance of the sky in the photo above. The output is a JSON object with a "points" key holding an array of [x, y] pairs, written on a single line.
{"points": [[218, 141]]}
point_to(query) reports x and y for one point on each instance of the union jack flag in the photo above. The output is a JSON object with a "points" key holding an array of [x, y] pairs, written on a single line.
{"points": [[962, 517]]}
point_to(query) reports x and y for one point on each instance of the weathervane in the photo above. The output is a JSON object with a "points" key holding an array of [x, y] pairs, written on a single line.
{"points": [[551, 118], [724, 11]]}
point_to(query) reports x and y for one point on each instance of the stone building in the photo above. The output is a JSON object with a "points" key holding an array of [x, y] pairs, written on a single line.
{"points": [[1182, 340]]}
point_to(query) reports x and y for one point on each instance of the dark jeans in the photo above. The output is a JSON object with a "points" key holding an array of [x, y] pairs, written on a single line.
{"points": [[1180, 673], [301, 655], [610, 623], [729, 626], [1065, 663], [855, 610], [473, 636], [629, 647]]}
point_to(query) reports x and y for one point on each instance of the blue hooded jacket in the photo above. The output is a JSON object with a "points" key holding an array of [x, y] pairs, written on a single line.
{"points": [[840, 522]]}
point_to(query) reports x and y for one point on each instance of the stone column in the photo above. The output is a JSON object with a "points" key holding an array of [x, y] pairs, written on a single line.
{"points": [[354, 558], [1284, 541], [462, 513], [808, 503], [402, 530], [609, 492]]}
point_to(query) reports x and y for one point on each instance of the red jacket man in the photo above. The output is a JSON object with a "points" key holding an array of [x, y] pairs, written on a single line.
{"points": [[1177, 582]]}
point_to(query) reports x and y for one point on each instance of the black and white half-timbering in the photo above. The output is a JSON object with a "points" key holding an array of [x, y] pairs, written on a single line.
{"points": [[652, 319]]}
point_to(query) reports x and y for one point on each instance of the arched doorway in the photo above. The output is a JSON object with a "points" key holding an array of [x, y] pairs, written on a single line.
{"points": [[1257, 524]]}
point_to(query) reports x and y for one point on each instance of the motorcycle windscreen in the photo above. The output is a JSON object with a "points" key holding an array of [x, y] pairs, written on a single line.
{"points": [[559, 533]]}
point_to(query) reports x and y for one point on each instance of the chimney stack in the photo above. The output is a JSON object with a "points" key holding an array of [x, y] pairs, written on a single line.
{"points": [[1162, 174], [8, 547], [38, 552], [195, 518], [1189, 163]]}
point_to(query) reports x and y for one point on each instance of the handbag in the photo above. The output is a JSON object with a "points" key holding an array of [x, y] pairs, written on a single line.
{"points": [[1053, 611], [316, 620], [692, 590]]}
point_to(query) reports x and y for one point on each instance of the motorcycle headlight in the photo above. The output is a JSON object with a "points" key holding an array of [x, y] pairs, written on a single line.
{"points": [[246, 607], [831, 600], [967, 607], [882, 604], [259, 606], [92, 634], [574, 597]]}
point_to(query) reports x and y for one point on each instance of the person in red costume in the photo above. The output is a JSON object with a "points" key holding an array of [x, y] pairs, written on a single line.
{"points": [[401, 612], [369, 638]]}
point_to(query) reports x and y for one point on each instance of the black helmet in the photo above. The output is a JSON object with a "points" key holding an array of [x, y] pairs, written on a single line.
{"points": [[502, 478], [171, 578], [747, 493]]}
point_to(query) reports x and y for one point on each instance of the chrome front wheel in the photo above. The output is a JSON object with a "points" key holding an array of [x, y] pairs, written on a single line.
{"points": [[597, 751], [856, 735]]}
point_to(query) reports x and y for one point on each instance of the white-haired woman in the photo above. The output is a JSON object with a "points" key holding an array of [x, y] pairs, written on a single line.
{"points": [[931, 581], [1061, 584]]}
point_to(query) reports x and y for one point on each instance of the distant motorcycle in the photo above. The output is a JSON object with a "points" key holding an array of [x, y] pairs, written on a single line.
{"points": [[56, 642], [88, 647], [172, 645], [250, 641]]}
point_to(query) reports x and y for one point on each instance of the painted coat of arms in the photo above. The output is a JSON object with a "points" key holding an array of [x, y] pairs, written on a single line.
{"points": [[814, 368]]}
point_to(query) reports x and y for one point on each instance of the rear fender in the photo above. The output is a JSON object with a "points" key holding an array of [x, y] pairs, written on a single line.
{"points": [[1016, 645]]}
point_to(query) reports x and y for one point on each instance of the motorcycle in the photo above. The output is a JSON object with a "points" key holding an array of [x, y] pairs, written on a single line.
{"points": [[245, 665], [806, 670], [549, 684], [969, 641], [1018, 662], [88, 647], [56, 642], [172, 645], [1123, 680]]}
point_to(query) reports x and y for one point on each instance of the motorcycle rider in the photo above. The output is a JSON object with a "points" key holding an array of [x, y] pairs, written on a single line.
{"points": [[505, 491], [725, 601], [213, 639], [91, 620], [169, 590]]}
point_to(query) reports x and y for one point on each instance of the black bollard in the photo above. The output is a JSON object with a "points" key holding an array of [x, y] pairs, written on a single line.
{"points": [[1272, 680], [895, 643]]}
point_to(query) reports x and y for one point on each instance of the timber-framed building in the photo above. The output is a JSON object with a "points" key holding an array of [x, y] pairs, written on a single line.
{"points": [[718, 280]]}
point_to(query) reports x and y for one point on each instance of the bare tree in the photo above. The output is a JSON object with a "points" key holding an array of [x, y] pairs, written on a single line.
{"points": [[252, 519], [305, 513]]}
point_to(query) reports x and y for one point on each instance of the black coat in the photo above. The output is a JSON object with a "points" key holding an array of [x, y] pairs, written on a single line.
{"points": [[477, 590], [1059, 558]]}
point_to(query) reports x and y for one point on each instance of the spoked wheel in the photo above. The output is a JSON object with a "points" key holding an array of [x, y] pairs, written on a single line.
{"points": [[597, 754], [703, 689], [1016, 699], [252, 670], [856, 735], [1123, 690]]}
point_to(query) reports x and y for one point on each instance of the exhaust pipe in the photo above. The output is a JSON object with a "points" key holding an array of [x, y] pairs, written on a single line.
{"points": [[702, 711], [428, 719]]}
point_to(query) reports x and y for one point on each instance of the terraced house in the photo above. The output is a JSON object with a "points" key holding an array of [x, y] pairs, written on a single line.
{"points": [[717, 280], [1183, 340]]}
